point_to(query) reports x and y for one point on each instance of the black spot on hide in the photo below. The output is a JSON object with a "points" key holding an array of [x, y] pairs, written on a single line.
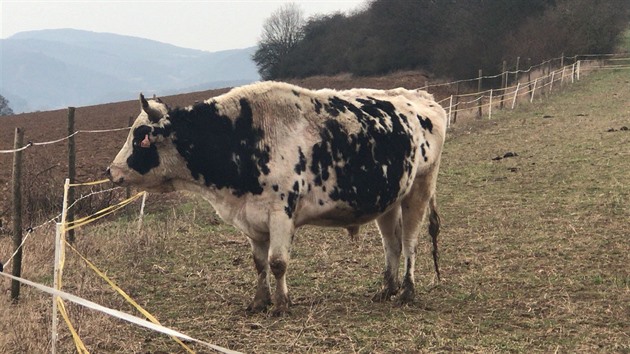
{"points": [[226, 151], [426, 124], [424, 152], [317, 105], [357, 160], [301, 165], [292, 199]]}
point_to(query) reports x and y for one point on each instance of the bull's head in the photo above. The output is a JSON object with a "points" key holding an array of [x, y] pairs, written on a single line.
{"points": [[146, 159]]}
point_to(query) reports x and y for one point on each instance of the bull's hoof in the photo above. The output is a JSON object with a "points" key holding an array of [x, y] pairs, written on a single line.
{"points": [[281, 304], [279, 311], [258, 306], [384, 295], [405, 297]]}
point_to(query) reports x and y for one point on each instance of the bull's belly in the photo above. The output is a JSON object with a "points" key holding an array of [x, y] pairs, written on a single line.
{"points": [[335, 215]]}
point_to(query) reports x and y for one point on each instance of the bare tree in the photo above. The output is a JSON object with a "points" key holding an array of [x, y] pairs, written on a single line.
{"points": [[281, 32]]}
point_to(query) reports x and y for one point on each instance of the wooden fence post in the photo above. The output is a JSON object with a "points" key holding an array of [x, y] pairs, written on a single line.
{"points": [[479, 114], [17, 213], [518, 61], [72, 172]]}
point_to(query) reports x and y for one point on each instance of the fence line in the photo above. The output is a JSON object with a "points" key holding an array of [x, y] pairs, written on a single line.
{"points": [[508, 72], [531, 68], [543, 84]]}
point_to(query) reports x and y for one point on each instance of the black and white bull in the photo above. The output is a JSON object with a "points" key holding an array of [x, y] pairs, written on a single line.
{"points": [[271, 157]]}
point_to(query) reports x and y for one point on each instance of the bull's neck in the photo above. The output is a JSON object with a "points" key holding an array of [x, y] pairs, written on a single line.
{"points": [[223, 149]]}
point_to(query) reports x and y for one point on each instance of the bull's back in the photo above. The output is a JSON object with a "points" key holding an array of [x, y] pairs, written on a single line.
{"points": [[344, 156]]}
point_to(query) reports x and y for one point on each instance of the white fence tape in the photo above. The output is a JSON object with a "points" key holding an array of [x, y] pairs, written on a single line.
{"points": [[118, 314], [61, 139]]}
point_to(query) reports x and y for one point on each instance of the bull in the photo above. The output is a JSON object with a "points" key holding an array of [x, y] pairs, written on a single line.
{"points": [[271, 157]]}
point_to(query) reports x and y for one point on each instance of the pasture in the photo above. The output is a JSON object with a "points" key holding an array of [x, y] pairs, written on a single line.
{"points": [[535, 255]]}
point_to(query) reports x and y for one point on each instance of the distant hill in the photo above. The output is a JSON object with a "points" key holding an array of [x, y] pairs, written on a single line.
{"points": [[49, 69]]}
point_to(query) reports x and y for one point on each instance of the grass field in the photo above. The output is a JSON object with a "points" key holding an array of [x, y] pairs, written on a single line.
{"points": [[535, 256]]}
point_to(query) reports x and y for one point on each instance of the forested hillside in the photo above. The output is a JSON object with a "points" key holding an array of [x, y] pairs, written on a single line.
{"points": [[448, 38]]}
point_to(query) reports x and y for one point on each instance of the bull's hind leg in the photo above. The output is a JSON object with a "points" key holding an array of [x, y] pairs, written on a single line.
{"points": [[390, 226], [260, 251], [414, 207]]}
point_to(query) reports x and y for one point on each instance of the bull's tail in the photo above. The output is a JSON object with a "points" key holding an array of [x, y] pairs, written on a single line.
{"points": [[434, 231]]}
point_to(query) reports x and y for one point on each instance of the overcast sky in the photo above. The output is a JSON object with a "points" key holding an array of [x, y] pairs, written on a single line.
{"points": [[209, 25]]}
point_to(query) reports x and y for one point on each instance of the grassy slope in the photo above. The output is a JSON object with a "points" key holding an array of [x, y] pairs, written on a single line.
{"points": [[535, 255]]}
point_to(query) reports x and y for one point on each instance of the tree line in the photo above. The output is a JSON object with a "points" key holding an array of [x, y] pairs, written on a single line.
{"points": [[449, 38]]}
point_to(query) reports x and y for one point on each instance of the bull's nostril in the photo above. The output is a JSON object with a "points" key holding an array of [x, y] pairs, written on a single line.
{"points": [[108, 172]]}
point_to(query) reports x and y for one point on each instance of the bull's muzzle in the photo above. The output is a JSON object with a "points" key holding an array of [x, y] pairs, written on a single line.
{"points": [[114, 175]]}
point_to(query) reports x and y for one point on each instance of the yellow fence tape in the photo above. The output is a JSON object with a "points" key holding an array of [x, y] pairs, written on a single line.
{"points": [[122, 293], [101, 213], [93, 183], [81, 349], [118, 314]]}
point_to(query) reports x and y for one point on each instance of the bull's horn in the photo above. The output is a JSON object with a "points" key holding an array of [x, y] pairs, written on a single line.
{"points": [[143, 102], [154, 114]]}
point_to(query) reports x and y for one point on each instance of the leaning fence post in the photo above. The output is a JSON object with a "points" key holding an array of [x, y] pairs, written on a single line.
{"points": [[504, 80], [450, 111], [17, 213], [479, 113], [456, 103], [72, 157], [529, 73], [518, 85], [533, 90]]}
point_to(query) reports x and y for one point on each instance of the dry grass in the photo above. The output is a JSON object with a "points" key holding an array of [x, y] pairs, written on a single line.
{"points": [[535, 256]]}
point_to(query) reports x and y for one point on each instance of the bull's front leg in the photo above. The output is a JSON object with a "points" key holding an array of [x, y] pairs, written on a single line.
{"points": [[390, 226], [260, 251], [281, 232]]}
